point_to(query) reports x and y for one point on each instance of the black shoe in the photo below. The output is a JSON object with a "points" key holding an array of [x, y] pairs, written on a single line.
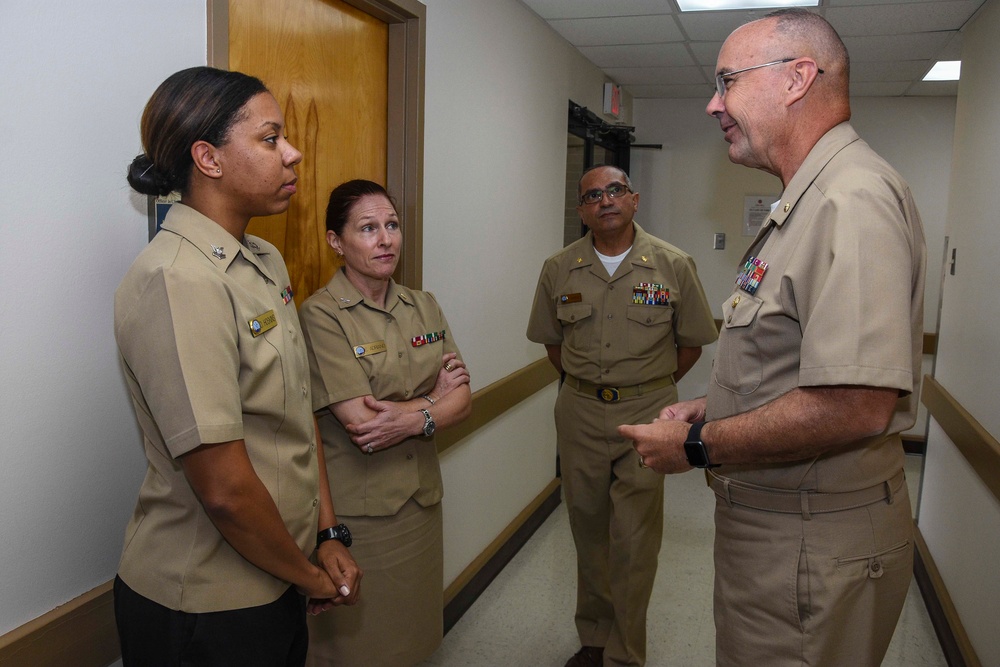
{"points": [[588, 656]]}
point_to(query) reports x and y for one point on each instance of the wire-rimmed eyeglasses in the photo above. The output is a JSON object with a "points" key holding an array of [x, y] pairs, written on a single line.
{"points": [[613, 191], [722, 80]]}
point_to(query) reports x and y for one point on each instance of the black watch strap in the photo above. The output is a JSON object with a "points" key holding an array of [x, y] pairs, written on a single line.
{"points": [[338, 532], [697, 454]]}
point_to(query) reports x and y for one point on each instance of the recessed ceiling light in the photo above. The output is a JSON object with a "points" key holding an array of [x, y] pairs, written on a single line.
{"points": [[945, 70], [713, 5]]}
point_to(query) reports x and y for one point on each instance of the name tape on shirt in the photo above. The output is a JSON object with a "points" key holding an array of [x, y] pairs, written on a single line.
{"points": [[369, 348], [262, 323], [576, 297]]}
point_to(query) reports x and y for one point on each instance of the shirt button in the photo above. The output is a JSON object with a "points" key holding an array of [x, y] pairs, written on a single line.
{"points": [[315, 502], [648, 320], [607, 345], [409, 457], [610, 316], [611, 287], [399, 355], [605, 371], [304, 390]]}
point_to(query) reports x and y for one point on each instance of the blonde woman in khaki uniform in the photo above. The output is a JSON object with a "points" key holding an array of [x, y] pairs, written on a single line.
{"points": [[385, 374], [215, 568]]}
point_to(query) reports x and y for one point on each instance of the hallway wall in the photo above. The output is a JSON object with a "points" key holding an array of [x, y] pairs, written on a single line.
{"points": [[75, 77], [959, 517]]}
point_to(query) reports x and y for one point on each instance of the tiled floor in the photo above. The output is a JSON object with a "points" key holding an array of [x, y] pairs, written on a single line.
{"points": [[525, 618]]}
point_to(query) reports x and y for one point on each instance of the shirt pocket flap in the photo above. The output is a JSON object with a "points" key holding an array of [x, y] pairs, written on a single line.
{"points": [[574, 312], [740, 311], [650, 315]]}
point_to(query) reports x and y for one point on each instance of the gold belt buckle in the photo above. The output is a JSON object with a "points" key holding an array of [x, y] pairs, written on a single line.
{"points": [[608, 394]]}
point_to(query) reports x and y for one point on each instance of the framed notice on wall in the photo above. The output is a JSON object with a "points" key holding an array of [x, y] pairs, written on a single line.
{"points": [[157, 211], [756, 208]]}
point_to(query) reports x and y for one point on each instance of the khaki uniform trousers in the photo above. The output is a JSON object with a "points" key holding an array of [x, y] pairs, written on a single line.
{"points": [[616, 515], [826, 590]]}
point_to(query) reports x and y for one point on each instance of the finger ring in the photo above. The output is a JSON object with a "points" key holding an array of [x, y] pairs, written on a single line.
{"points": [[448, 367], [369, 450], [642, 464]]}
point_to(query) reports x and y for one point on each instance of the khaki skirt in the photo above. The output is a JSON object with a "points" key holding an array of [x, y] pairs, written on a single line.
{"points": [[398, 620]]}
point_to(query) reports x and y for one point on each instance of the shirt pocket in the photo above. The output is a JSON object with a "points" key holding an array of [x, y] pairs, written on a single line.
{"points": [[577, 323], [649, 328], [738, 365]]}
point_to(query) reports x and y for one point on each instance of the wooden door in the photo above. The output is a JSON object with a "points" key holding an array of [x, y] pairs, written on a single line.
{"points": [[326, 63]]}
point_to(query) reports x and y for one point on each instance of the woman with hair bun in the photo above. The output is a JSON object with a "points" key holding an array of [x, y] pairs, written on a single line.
{"points": [[215, 569]]}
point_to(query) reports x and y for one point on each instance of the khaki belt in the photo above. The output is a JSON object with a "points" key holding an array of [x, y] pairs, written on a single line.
{"points": [[615, 394], [802, 502]]}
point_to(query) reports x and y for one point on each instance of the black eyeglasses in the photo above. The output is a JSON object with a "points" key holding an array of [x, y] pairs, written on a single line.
{"points": [[613, 191], [723, 80]]}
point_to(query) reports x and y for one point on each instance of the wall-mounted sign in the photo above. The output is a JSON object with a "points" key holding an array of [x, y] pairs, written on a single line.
{"points": [[613, 99], [756, 209]]}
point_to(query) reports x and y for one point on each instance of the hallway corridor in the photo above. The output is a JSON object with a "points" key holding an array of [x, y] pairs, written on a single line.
{"points": [[525, 617]]}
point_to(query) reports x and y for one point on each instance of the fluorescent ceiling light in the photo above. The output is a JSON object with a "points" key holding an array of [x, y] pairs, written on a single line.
{"points": [[712, 5], [945, 70]]}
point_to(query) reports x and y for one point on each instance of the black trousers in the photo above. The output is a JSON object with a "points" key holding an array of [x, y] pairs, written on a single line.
{"points": [[151, 635]]}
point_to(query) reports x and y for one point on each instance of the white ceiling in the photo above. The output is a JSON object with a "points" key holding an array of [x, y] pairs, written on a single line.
{"points": [[654, 50]]}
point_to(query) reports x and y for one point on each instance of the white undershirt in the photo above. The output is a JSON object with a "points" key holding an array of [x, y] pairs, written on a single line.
{"points": [[611, 264]]}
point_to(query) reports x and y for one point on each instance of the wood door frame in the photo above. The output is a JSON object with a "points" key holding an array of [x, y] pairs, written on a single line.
{"points": [[405, 117]]}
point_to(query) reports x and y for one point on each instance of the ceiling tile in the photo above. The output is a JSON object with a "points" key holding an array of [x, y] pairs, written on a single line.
{"points": [[920, 46], [894, 70], [653, 52], [655, 75], [689, 91], [706, 53], [578, 9], [620, 30], [899, 19], [639, 55], [879, 89], [934, 88], [715, 26]]}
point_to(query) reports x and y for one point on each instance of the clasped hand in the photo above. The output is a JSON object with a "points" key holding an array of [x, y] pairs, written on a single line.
{"points": [[338, 565], [661, 443]]}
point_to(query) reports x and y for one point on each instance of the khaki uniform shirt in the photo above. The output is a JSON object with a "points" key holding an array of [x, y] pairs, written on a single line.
{"points": [[357, 349], [212, 352], [606, 338], [839, 303]]}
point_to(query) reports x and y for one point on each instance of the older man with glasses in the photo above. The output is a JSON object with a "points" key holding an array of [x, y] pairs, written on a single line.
{"points": [[622, 316], [816, 372]]}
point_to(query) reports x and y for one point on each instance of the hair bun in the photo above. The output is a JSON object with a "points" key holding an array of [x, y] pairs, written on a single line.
{"points": [[146, 179]]}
